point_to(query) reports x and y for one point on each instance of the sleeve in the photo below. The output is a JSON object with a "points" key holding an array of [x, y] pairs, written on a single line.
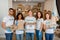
{"points": [[16, 22], [34, 19], [4, 19], [44, 22], [25, 20]]}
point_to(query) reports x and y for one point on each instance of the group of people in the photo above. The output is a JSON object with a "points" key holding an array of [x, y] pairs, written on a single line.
{"points": [[30, 25]]}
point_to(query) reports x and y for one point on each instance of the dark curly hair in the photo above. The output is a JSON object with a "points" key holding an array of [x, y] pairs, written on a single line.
{"points": [[18, 15], [37, 15]]}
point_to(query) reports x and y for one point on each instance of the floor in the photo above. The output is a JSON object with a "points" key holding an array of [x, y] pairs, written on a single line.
{"points": [[55, 38]]}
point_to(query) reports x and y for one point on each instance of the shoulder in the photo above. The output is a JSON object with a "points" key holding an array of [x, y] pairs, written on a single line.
{"points": [[12, 17], [26, 17], [34, 17], [6, 17], [45, 21], [42, 19]]}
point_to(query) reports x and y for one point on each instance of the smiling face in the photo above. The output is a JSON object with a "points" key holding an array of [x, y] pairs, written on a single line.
{"points": [[19, 17], [39, 14], [47, 16], [30, 13], [11, 12]]}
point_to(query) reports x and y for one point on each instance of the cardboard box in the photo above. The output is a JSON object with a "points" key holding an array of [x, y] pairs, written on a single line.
{"points": [[11, 28], [20, 25]]}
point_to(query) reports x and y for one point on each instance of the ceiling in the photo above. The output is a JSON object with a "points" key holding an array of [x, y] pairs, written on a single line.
{"points": [[29, 0]]}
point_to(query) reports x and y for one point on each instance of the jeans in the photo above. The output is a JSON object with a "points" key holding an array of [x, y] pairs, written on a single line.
{"points": [[19, 36], [29, 36], [38, 35], [9, 36], [49, 36]]}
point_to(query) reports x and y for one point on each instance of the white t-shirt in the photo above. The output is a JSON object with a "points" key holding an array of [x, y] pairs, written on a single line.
{"points": [[50, 30], [30, 28], [19, 31], [8, 21], [39, 21]]}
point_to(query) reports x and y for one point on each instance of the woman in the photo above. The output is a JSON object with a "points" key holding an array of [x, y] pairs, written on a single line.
{"points": [[49, 31], [39, 17], [20, 26]]}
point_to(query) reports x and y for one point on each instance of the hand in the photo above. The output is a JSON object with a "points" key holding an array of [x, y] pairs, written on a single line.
{"points": [[48, 27]]}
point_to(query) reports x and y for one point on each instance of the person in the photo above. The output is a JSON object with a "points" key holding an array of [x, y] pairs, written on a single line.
{"points": [[19, 26], [49, 30], [7, 23], [39, 17], [30, 23]]}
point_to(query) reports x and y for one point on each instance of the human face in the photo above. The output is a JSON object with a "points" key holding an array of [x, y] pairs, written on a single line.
{"points": [[39, 14], [30, 13], [47, 16], [11, 12], [19, 17]]}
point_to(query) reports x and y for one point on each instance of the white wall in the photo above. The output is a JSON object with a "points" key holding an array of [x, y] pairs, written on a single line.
{"points": [[4, 6], [10, 3], [3, 12]]}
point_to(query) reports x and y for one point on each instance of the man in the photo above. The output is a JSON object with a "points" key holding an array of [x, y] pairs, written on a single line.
{"points": [[7, 24], [30, 26]]}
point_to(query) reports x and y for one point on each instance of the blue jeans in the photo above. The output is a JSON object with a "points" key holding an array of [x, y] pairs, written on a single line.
{"points": [[38, 35], [49, 36], [19, 36], [29, 36], [9, 36]]}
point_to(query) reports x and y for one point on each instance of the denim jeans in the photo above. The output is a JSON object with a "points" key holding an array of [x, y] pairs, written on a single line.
{"points": [[29, 36], [49, 36], [38, 35], [19, 36], [9, 36]]}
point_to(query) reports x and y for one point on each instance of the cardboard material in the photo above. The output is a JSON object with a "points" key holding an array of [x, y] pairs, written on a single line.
{"points": [[20, 25], [11, 28]]}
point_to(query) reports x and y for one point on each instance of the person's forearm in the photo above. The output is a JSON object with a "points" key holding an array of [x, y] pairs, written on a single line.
{"points": [[41, 26], [44, 27], [3, 25]]}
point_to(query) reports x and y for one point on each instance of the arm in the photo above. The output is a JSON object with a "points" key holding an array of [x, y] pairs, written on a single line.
{"points": [[44, 27], [41, 26], [3, 25], [35, 25], [15, 25], [56, 18]]}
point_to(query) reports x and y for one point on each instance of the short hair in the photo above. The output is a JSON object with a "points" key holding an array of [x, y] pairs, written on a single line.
{"points": [[37, 14], [11, 9], [18, 15], [29, 10]]}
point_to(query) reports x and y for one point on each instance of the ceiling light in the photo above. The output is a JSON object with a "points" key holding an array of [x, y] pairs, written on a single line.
{"points": [[26, 0], [15, 0]]}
